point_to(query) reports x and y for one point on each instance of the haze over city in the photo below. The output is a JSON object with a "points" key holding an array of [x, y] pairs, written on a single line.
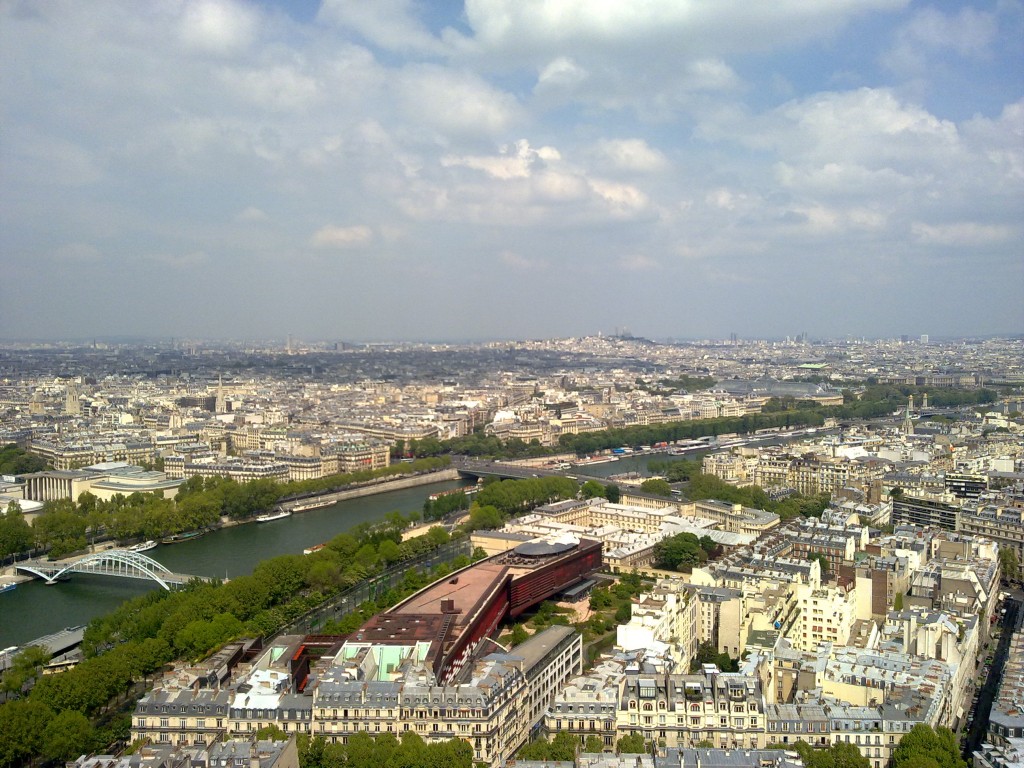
{"points": [[511, 169]]}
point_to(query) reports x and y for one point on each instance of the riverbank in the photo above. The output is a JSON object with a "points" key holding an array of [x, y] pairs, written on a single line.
{"points": [[385, 485], [397, 484], [34, 609]]}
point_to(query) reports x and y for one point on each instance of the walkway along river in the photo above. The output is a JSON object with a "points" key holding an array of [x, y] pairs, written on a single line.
{"points": [[34, 609]]}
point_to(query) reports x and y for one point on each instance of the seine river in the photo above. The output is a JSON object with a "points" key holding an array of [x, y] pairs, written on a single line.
{"points": [[35, 609]]}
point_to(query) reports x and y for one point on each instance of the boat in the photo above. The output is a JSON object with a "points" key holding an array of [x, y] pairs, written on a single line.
{"points": [[595, 460], [145, 546], [314, 548], [178, 538], [271, 516], [302, 506], [7, 587], [466, 490]]}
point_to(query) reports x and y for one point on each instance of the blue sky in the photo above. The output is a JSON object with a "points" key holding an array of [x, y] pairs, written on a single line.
{"points": [[511, 168]]}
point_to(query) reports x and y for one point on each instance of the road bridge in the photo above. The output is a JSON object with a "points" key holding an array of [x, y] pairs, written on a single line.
{"points": [[120, 563], [484, 469]]}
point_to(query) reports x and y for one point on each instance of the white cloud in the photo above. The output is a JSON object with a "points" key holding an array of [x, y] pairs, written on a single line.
{"points": [[331, 236], [218, 26], [962, 233], [637, 262], [515, 161], [561, 73], [455, 102], [631, 155], [274, 88], [252, 214], [969, 33], [178, 260], [519, 262], [531, 26], [390, 24], [77, 252]]}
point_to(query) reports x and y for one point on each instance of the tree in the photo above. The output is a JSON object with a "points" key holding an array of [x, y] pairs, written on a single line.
{"points": [[612, 493], [15, 532], [67, 736], [656, 487], [592, 490], [26, 665], [897, 602], [593, 744], [923, 744], [823, 561], [272, 732], [23, 725], [681, 550], [631, 744], [519, 635], [1009, 564]]}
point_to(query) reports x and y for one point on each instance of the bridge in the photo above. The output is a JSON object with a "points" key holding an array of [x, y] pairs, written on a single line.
{"points": [[113, 562], [481, 469]]}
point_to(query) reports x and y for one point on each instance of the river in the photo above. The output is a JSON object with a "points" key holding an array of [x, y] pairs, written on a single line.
{"points": [[35, 609]]}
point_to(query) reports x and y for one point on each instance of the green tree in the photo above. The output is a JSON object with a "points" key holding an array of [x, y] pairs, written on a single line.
{"points": [[612, 493], [823, 562], [26, 666], [519, 635], [68, 735], [656, 487], [23, 726], [593, 744], [272, 732], [15, 532], [592, 490], [631, 744], [923, 744], [1009, 564]]}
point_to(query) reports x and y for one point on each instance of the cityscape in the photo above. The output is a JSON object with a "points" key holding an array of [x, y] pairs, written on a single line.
{"points": [[603, 549], [511, 384]]}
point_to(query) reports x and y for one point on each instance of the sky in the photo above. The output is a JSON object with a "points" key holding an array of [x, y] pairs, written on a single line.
{"points": [[506, 169]]}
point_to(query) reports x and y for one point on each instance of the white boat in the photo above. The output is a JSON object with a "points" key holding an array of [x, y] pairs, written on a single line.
{"points": [[271, 516], [303, 506], [145, 546]]}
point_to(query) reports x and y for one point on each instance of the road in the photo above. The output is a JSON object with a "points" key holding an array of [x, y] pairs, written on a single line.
{"points": [[979, 723]]}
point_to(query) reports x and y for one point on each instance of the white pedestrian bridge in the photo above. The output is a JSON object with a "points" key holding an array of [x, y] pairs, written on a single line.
{"points": [[112, 562]]}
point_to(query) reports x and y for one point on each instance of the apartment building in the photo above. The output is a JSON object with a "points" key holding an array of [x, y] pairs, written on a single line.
{"points": [[493, 707]]}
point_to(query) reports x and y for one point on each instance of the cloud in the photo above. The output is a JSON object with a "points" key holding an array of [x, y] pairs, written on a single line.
{"points": [[77, 252], [331, 236], [455, 102], [636, 262], [962, 233], [178, 260], [561, 73], [220, 27], [274, 88], [389, 24], [252, 214], [729, 25], [631, 155], [520, 262], [515, 161], [969, 33]]}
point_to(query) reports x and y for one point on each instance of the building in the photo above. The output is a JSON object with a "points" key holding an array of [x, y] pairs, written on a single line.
{"points": [[494, 704]]}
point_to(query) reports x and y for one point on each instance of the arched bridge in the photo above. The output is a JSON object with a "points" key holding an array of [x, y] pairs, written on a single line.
{"points": [[113, 562]]}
